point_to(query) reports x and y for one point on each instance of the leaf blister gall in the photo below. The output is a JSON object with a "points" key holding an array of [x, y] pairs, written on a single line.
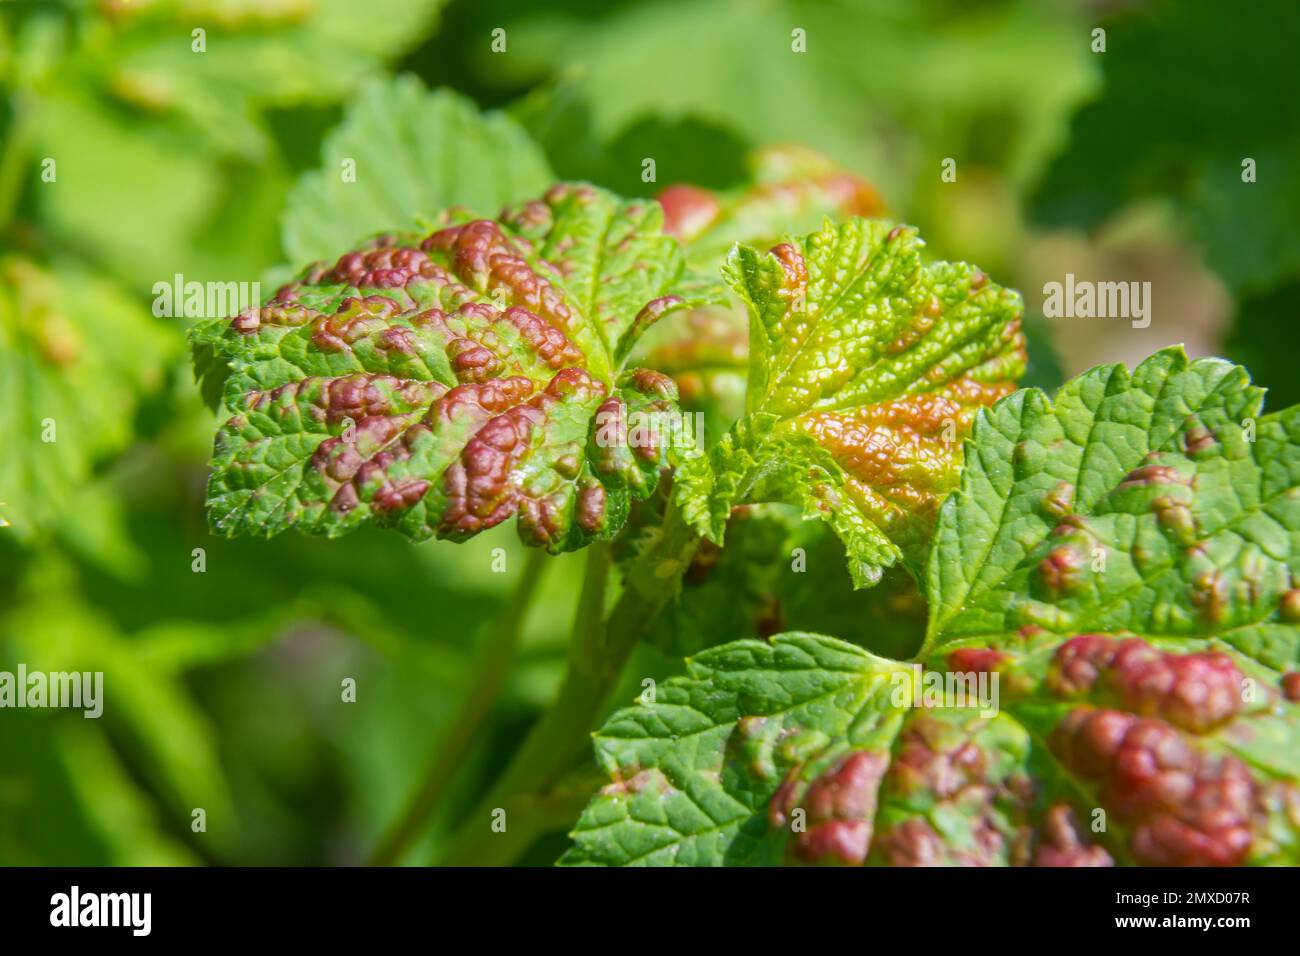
{"points": [[1185, 807], [1148, 697], [441, 384], [1062, 842], [1196, 691]]}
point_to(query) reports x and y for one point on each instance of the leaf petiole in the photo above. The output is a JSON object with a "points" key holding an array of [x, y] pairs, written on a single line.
{"points": [[599, 649]]}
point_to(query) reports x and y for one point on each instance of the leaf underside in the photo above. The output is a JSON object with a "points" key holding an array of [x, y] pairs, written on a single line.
{"points": [[409, 150]]}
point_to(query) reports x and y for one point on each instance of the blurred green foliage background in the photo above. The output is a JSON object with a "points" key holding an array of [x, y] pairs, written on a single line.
{"points": [[223, 687]]}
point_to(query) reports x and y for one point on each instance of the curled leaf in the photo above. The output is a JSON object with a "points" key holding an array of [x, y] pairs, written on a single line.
{"points": [[789, 192], [867, 367]]}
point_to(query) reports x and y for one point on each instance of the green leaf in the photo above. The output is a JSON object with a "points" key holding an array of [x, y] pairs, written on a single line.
{"points": [[149, 709], [894, 85], [113, 175], [866, 368], [253, 56], [702, 54], [809, 750], [114, 804], [44, 819], [413, 153], [789, 190], [146, 126], [1162, 503], [1110, 675], [76, 359], [693, 772], [439, 385]]}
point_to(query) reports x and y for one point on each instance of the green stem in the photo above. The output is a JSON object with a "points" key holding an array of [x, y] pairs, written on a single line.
{"points": [[474, 710], [551, 741], [14, 157], [596, 657]]}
